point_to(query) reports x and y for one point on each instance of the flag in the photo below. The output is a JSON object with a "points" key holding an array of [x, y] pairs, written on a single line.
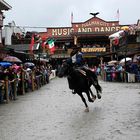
{"points": [[37, 47], [72, 17], [37, 38], [32, 44], [118, 15], [51, 45]]}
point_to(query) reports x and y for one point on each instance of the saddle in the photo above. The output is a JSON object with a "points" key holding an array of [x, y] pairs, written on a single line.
{"points": [[90, 75], [86, 71], [82, 72]]}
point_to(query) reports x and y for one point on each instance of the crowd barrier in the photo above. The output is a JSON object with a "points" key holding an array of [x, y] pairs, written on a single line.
{"points": [[122, 76], [52, 74], [21, 86]]}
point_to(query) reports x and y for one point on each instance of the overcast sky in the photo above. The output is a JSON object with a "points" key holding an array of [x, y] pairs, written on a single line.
{"points": [[57, 13]]}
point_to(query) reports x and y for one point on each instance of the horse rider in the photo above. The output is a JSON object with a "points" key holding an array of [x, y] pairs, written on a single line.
{"points": [[77, 57], [77, 60]]}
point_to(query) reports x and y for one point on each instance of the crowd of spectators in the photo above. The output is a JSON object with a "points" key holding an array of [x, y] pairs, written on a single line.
{"points": [[20, 77], [121, 73]]}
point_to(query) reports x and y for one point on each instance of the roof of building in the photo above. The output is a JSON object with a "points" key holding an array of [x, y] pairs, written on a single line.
{"points": [[22, 47], [4, 5]]}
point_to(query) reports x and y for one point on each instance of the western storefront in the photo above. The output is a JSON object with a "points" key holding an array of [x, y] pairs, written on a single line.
{"points": [[92, 36]]}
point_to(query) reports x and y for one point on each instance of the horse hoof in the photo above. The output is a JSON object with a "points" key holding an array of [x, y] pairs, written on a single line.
{"points": [[93, 98], [99, 96], [87, 109]]}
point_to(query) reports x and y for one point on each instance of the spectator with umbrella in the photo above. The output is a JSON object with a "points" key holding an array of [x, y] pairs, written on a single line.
{"points": [[2, 78], [5, 64], [29, 65], [12, 59]]}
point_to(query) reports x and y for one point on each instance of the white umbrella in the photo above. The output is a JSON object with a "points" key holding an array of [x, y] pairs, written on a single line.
{"points": [[125, 59], [11, 59], [112, 62], [117, 34]]}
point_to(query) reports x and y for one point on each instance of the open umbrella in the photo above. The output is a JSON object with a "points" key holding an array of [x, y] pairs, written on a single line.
{"points": [[5, 64], [12, 59], [118, 34], [125, 28], [125, 59], [29, 64], [112, 62], [138, 58]]}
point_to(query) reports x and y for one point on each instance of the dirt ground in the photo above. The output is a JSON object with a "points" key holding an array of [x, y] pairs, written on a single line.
{"points": [[54, 113]]}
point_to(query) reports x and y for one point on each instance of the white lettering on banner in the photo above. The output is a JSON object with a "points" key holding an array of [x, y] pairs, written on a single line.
{"points": [[84, 30], [62, 31], [59, 32], [102, 29], [97, 29], [67, 31], [106, 29], [95, 23], [93, 50], [54, 32]]}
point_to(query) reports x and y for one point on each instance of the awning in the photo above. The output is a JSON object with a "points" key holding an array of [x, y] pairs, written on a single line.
{"points": [[22, 47]]}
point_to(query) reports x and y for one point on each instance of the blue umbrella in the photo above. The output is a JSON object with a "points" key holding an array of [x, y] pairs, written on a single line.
{"points": [[5, 64]]}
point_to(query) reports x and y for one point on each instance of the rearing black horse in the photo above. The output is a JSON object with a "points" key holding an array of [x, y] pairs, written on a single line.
{"points": [[79, 81]]}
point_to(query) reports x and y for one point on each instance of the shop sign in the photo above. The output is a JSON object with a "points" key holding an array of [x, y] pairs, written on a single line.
{"points": [[97, 29], [61, 31], [94, 25], [67, 32], [85, 50]]}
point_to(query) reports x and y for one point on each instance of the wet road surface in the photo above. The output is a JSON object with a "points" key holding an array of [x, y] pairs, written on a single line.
{"points": [[54, 113]]}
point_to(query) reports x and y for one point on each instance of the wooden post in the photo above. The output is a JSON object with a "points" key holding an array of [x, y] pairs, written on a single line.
{"points": [[32, 80], [111, 49], [22, 82], [75, 40], [101, 61], [6, 89], [15, 87]]}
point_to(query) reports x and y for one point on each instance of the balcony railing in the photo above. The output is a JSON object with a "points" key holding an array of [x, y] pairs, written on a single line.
{"points": [[60, 51]]}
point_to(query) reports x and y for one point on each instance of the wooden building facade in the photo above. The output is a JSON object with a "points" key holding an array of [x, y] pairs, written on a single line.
{"points": [[92, 36]]}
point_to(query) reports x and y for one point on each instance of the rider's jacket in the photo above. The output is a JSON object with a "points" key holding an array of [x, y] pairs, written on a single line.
{"points": [[77, 59]]}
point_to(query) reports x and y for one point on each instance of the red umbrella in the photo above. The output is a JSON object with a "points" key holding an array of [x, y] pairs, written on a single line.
{"points": [[12, 59]]}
